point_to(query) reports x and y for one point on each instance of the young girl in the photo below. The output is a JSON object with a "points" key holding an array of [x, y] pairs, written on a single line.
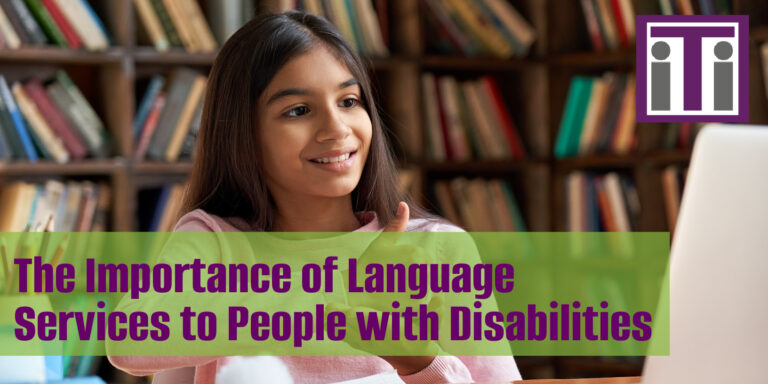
{"points": [[291, 140]]}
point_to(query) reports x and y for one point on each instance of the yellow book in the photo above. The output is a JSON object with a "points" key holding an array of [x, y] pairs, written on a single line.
{"points": [[182, 24], [199, 26], [152, 24], [15, 206], [52, 143], [187, 112]]}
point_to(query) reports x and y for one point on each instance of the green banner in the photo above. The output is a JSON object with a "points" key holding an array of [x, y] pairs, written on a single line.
{"points": [[160, 294]]}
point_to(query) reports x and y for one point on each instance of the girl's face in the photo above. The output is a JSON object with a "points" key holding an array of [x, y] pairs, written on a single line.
{"points": [[315, 132]]}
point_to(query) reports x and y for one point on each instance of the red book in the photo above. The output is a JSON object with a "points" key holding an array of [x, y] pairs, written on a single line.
{"points": [[443, 122], [149, 126], [56, 119], [69, 33], [510, 131], [623, 38]]}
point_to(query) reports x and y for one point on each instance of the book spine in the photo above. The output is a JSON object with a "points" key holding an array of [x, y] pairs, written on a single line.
{"points": [[149, 127], [39, 127], [46, 22], [9, 36], [65, 104], [56, 120], [5, 150], [30, 25], [167, 24], [61, 21], [510, 131], [187, 112], [180, 22], [177, 94], [95, 126], [188, 148], [18, 121], [8, 128], [154, 87], [200, 27], [152, 24], [16, 23], [94, 18]]}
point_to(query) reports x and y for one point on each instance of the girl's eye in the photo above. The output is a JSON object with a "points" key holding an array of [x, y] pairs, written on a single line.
{"points": [[298, 111], [350, 102]]}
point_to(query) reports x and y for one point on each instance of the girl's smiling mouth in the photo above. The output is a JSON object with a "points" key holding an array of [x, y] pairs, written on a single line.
{"points": [[338, 160]]}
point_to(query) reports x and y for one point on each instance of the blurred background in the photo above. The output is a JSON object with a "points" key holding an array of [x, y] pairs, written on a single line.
{"points": [[505, 115]]}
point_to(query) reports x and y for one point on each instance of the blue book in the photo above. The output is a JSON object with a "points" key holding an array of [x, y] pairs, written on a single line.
{"points": [[18, 121], [97, 20], [154, 87]]}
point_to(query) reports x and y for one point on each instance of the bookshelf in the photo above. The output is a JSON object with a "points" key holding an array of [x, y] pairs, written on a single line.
{"points": [[534, 87]]}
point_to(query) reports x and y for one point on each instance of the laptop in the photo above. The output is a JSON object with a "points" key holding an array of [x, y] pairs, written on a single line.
{"points": [[719, 264]]}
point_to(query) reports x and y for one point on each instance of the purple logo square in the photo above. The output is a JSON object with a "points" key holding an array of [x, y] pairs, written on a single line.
{"points": [[692, 68]]}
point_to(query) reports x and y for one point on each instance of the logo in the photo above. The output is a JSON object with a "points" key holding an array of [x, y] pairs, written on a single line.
{"points": [[692, 68]]}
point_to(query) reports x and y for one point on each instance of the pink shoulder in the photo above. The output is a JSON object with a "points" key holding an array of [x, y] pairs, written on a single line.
{"points": [[199, 221]]}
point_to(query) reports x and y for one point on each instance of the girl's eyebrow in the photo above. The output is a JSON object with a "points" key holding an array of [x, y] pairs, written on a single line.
{"points": [[301, 91]]}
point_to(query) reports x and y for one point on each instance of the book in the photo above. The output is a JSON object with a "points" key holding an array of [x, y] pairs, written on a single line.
{"points": [[573, 117], [53, 144], [178, 17], [57, 121], [432, 117], [8, 128], [18, 121], [94, 128], [16, 201], [199, 26], [166, 23], [73, 40], [185, 118], [17, 8], [522, 32], [178, 90], [149, 126], [46, 22], [153, 89], [17, 25], [5, 149], [188, 147], [510, 133], [10, 37], [225, 17], [152, 24]]}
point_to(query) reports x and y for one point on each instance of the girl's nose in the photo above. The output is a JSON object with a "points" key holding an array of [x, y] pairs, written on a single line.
{"points": [[332, 127]]}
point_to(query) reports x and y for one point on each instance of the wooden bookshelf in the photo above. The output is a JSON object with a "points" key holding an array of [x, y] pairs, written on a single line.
{"points": [[535, 88]]}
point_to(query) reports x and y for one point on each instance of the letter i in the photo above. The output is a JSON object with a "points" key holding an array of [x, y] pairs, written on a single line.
{"points": [[660, 77], [723, 77]]}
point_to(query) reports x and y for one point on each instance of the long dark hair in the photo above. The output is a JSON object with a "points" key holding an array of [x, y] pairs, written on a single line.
{"points": [[227, 179]]}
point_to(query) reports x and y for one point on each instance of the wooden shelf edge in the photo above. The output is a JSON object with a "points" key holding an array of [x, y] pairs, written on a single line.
{"points": [[56, 55], [158, 168], [91, 167]]}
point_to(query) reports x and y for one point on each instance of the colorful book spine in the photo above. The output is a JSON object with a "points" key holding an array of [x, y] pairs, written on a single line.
{"points": [[153, 89], [18, 120], [46, 22]]}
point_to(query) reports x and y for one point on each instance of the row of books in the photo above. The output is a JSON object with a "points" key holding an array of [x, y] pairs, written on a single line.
{"points": [[694, 7], [680, 136], [610, 23], [599, 116], [672, 182], [176, 24], [479, 204], [601, 202], [468, 120], [477, 27], [65, 23], [163, 204], [49, 119], [168, 118], [73, 206], [363, 25]]}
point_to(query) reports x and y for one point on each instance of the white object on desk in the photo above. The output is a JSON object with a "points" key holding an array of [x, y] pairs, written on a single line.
{"points": [[390, 377]]}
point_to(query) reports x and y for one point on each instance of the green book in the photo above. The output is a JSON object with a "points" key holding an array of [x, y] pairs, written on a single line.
{"points": [[167, 23], [46, 23], [573, 117]]}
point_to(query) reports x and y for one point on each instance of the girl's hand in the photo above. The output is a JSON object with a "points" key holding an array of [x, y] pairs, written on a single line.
{"points": [[384, 250]]}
